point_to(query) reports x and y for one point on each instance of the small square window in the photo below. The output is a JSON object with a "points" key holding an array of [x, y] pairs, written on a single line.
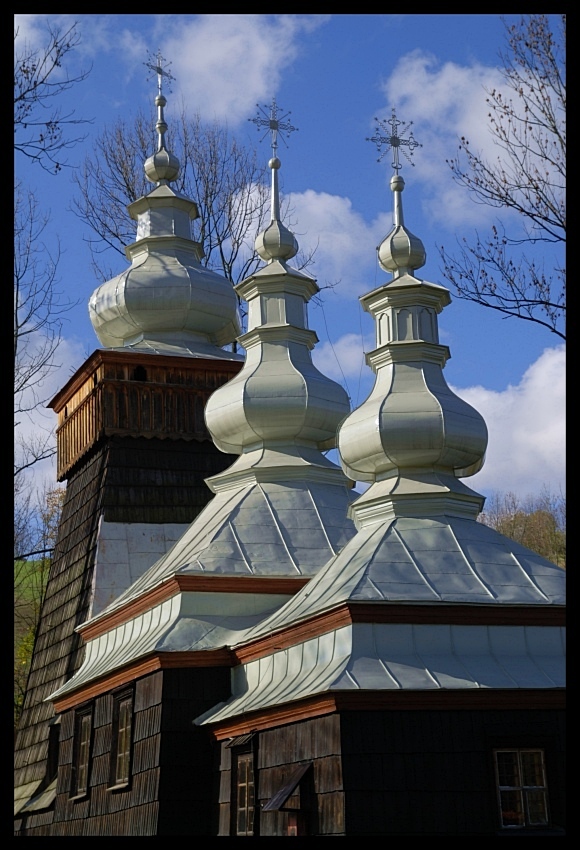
{"points": [[122, 738], [522, 789], [82, 752]]}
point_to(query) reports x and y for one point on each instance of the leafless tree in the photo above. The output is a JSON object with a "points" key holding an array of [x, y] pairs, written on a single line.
{"points": [[220, 174], [41, 137], [40, 80], [528, 177], [39, 305]]}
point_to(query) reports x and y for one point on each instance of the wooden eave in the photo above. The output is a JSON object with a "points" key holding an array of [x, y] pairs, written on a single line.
{"points": [[142, 667], [189, 584], [392, 700], [130, 357], [384, 612]]}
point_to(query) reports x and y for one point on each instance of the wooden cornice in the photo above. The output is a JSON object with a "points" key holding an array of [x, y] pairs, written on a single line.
{"points": [[202, 583], [275, 716], [396, 700], [383, 612], [133, 357], [137, 669]]}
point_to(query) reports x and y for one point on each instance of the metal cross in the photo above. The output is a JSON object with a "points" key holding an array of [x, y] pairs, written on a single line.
{"points": [[155, 64], [394, 141], [274, 124]]}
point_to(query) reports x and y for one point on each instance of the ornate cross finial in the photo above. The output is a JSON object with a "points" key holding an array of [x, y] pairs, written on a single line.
{"points": [[156, 64], [393, 140], [274, 123]]}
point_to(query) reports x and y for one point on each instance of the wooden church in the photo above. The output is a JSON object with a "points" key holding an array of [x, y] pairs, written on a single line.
{"points": [[233, 641]]}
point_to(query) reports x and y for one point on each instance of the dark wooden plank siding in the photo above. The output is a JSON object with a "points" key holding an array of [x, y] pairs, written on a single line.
{"points": [[123, 480], [189, 757], [279, 751], [65, 606], [431, 772]]}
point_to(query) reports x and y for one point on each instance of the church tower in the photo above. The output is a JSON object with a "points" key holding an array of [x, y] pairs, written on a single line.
{"points": [[132, 444]]}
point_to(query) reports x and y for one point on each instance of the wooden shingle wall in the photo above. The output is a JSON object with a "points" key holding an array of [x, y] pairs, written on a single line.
{"points": [[279, 752], [124, 480], [158, 481], [58, 650], [170, 789], [130, 811], [431, 772], [189, 775]]}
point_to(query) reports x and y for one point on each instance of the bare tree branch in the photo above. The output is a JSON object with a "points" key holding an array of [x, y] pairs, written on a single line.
{"points": [[528, 178], [39, 79]]}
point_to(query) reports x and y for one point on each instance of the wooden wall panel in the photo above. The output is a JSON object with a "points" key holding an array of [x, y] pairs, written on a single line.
{"points": [[431, 772]]}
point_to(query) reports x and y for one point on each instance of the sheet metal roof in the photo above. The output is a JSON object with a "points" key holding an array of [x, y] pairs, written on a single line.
{"points": [[399, 657], [265, 529], [185, 622], [447, 559]]}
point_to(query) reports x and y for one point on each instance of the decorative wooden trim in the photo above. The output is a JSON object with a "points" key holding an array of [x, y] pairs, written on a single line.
{"points": [[205, 583], [527, 699], [202, 583], [312, 627], [102, 356], [508, 699], [142, 667], [459, 614], [275, 716], [381, 612]]}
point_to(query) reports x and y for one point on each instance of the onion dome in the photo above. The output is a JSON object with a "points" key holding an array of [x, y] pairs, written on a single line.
{"points": [[166, 302], [413, 437], [400, 251], [279, 411]]}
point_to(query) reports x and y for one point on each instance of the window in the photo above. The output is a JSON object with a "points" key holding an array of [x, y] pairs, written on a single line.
{"points": [[522, 791], [245, 804], [121, 751], [244, 814], [82, 752]]}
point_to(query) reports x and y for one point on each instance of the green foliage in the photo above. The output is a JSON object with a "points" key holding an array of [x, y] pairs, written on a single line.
{"points": [[30, 580]]}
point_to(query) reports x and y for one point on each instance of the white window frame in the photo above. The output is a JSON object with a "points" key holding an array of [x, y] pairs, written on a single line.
{"points": [[522, 790]]}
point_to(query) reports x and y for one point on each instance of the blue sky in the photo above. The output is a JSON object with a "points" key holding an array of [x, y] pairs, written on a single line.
{"points": [[335, 73]]}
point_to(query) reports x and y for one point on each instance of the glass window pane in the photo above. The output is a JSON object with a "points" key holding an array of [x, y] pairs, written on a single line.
{"points": [[123, 742], [83, 751], [522, 787], [242, 822], [507, 768], [512, 810], [245, 795], [532, 768], [537, 809]]}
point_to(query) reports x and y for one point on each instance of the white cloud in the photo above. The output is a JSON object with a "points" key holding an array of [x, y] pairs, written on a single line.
{"points": [[224, 64], [446, 101], [526, 425], [345, 243], [42, 421], [341, 359]]}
